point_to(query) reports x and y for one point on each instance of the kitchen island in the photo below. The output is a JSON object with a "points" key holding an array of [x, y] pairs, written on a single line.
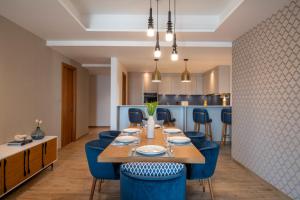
{"points": [[183, 116]]}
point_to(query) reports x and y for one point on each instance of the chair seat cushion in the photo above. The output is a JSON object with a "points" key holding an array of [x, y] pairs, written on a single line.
{"points": [[155, 169]]}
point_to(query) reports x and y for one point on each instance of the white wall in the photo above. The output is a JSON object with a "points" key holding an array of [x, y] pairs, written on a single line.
{"points": [[100, 100], [30, 85], [116, 89]]}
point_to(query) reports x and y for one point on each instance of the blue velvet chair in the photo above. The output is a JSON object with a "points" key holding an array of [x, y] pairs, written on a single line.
{"points": [[197, 138], [135, 116], [106, 137], [99, 171], [210, 151], [149, 181], [226, 115], [164, 114], [201, 117]]}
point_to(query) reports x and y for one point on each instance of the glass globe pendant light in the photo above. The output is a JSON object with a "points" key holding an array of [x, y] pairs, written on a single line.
{"points": [[169, 33]]}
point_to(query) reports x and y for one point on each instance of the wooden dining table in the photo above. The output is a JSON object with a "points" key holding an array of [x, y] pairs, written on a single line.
{"points": [[179, 153]]}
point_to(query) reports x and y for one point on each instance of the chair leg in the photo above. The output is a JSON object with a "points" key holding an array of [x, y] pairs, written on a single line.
{"points": [[100, 184], [93, 188], [210, 132], [210, 189], [203, 185]]}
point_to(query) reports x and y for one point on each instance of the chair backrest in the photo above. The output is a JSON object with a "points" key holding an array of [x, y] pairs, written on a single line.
{"points": [[147, 181], [210, 151], [163, 114], [200, 115], [226, 115], [106, 137], [135, 115], [98, 170]]}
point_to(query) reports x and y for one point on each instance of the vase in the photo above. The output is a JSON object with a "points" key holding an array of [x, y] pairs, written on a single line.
{"points": [[150, 127], [38, 134]]}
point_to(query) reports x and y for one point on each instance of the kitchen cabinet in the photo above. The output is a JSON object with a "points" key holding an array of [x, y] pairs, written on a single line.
{"points": [[217, 80], [149, 86], [18, 164]]}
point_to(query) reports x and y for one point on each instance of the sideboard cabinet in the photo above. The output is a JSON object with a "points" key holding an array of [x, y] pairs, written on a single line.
{"points": [[19, 163]]}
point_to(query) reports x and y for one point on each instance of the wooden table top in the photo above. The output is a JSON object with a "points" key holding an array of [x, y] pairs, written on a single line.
{"points": [[180, 154]]}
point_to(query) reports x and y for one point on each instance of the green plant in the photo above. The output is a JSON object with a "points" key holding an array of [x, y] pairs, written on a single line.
{"points": [[151, 107]]}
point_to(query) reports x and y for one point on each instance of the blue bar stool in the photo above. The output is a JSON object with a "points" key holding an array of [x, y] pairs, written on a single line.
{"points": [[135, 116], [200, 116], [153, 180], [226, 119], [165, 114]]}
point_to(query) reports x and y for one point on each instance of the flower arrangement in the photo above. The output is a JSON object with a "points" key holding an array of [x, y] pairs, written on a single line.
{"points": [[38, 122], [151, 107]]}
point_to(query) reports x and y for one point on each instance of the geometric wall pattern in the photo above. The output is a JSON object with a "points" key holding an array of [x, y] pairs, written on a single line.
{"points": [[266, 99]]}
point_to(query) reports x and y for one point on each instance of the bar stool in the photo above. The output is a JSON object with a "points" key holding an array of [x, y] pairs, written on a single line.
{"points": [[226, 120], [135, 116], [200, 116], [165, 114]]}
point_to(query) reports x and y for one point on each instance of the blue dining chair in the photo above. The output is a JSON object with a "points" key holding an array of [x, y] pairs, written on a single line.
{"points": [[210, 151], [201, 116], [106, 137], [165, 114], [135, 116], [226, 117], [197, 138], [148, 181], [99, 171]]}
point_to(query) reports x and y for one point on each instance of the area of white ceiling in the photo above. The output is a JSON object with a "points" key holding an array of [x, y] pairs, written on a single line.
{"points": [[64, 24]]}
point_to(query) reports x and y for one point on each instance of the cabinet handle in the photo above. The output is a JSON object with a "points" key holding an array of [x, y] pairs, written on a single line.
{"points": [[43, 155], [4, 176], [28, 164], [24, 163]]}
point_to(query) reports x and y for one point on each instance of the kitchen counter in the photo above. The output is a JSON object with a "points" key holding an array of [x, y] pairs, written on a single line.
{"points": [[183, 116]]}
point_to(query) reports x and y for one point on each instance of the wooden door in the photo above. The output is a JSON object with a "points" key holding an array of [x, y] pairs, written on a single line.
{"points": [[50, 151], [15, 170], [68, 131], [124, 89]]}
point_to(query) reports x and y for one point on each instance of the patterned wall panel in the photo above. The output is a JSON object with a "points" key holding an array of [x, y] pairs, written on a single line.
{"points": [[266, 99]]}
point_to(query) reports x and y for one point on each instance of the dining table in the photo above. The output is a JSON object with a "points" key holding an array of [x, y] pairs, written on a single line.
{"points": [[180, 153]]}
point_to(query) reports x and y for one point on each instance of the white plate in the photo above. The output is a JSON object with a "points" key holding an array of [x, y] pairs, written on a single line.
{"points": [[131, 130], [156, 126], [172, 130], [179, 139], [151, 150], [126, 139]]}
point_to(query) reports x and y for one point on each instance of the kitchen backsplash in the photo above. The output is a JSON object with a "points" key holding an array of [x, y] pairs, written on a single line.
{"points": [[192, 99]]}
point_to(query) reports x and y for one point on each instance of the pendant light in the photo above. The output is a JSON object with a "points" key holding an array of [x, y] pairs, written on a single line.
{"points": [[186, 76], [157, 52], [150, 31], [169, 33], [174, 55], [156, 77]]}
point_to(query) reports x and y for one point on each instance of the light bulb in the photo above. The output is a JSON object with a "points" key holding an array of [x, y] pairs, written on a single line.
{"points": [[157, 53], [174, 56], [150, 32], [169, 36]]}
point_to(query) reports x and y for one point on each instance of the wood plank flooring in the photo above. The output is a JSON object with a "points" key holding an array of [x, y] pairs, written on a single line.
{"points": [[71, 180]]}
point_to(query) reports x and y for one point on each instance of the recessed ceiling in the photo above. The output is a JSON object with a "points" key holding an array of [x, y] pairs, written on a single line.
{"points": [[92, 31]]}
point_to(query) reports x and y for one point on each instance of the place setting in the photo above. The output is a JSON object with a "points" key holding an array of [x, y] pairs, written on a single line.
{"points": [[125, 140], [152, 151]]}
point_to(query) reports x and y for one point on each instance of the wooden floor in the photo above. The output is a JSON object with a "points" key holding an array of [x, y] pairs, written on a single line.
{"points": [[71, 180]]}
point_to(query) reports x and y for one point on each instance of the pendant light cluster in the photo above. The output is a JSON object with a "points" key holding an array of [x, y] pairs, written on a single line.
{"points": [[170, 33]]}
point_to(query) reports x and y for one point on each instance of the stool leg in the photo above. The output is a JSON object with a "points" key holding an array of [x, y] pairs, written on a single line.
{"points": [[223, 134], [195, 126], [206, 130], [210, 132]]}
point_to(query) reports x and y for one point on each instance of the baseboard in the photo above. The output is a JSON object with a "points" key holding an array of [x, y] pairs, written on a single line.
{"points": [[99, 126]]}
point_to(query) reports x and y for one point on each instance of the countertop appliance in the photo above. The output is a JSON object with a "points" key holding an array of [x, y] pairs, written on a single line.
{"points": [[150, 97]]}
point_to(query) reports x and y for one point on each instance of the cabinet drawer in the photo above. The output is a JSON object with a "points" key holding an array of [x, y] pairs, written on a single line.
{"points": [[34, 159], [14, 170], [50, 151], [1, 177]]}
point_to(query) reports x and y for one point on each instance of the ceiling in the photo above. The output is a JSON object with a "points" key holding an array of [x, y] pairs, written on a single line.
{"points": [[92, 31]]}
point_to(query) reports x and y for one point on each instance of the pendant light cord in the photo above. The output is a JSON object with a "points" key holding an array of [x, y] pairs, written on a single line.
{"points": [[174, 14], [157, 16]]}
